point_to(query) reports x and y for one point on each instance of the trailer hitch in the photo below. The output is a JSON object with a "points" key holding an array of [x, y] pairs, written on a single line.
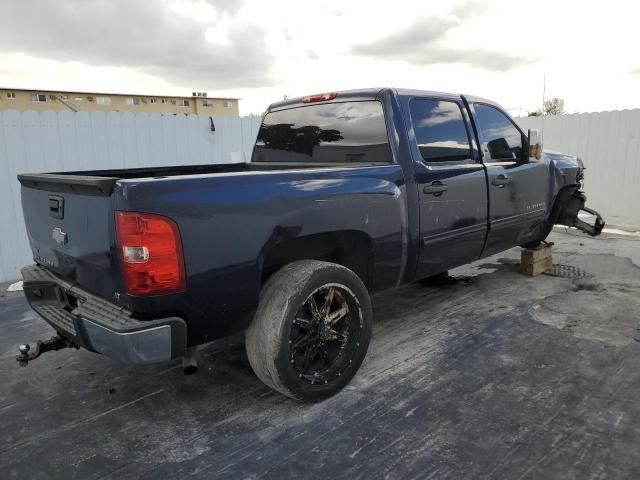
{"points": [[53, 344]]}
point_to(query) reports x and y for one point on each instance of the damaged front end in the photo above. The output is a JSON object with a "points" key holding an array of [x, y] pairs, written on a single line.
{"points": [[570, 205]]}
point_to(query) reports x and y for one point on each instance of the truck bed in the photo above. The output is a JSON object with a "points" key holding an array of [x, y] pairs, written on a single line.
{"points": [[235, 220], [101, 182]]}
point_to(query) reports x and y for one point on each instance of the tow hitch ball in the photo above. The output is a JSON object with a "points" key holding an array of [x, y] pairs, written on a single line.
{"points": [[54, 343]]}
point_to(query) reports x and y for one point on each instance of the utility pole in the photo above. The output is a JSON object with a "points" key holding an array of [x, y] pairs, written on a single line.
{"points": [[544, 88]]}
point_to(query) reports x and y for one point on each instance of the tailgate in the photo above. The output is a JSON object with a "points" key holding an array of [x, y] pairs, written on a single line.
{"points": [[69, 220]]}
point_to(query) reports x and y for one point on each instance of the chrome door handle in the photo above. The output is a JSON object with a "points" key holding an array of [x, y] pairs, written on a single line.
{"points": [[501, 180], [436, 188]]}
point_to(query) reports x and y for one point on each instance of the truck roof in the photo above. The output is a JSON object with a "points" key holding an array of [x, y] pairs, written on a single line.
{"points": [[374, 93], [360, 94]]}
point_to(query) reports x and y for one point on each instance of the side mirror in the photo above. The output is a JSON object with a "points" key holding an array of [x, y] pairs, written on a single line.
{"points": [[535, 143], [499, 149]]}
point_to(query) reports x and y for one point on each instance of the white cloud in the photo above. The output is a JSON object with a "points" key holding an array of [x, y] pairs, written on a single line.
{"points": [[261, 51]]}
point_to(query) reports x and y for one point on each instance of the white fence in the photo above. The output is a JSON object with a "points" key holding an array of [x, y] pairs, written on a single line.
{"points": [[608, 142], [57, 141], [609, 145]]}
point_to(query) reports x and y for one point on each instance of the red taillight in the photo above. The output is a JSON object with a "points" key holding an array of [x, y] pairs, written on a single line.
{"points": [[151, 253], [320, 97]]}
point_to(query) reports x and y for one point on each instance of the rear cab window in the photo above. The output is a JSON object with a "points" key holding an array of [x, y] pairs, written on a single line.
{"points": [[440, 131], [340, 132]]}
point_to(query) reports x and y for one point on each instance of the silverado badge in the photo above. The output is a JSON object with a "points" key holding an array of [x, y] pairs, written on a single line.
{"points": [[59, 236]]}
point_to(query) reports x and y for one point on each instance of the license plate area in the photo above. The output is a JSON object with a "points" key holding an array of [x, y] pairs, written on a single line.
{"points": [[49, 293]]}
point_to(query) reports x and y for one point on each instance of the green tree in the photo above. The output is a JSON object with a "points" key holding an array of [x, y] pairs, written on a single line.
{"points": [[554, 106]]}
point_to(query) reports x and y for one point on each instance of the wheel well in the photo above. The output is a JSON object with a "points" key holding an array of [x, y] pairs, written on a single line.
{"points": [[558, 205], [349, 248]]}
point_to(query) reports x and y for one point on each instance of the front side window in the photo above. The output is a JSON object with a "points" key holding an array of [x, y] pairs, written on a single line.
{"points": [[501, 140], [38, 97], [346, 132], [103, 100], [440, 131]]}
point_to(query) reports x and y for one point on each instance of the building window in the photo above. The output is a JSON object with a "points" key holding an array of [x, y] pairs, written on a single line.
{"points": [[64, 97], [207, 103], [133, 101], [173, 102], [183, 103], [163, 101], [227, 104], [11, 95], [38, 97], [79, 99], [153, 100], [103, 100]]}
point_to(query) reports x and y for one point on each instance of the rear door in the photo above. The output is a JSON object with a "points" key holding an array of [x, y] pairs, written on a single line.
{"points": [[451, 185], [518, 185]]}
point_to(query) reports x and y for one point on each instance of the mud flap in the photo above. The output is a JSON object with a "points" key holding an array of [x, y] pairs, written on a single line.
{"points": [[574, 204]]}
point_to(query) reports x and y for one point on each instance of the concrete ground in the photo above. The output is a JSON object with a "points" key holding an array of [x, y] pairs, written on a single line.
{"points": [[496, 375]]}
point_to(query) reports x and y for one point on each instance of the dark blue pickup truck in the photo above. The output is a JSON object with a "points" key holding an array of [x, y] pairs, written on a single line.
{"points": [[346, 194]]}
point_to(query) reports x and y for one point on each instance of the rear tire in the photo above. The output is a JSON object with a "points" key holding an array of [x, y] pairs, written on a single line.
{"points": [[311, 330]]}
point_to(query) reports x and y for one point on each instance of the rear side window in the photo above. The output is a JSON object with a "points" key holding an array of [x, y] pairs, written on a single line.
{"points": [[440, 131], [347, 132], [501, 140]]}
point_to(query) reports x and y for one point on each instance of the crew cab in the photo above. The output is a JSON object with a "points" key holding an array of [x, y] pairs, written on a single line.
{"points": [[346, 194]]}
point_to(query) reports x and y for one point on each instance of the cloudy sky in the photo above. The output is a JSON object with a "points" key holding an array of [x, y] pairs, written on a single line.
{"points": [[261, 50]]}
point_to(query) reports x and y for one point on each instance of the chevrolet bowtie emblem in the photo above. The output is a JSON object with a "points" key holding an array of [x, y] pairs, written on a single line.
{"points": [[59, 236]]}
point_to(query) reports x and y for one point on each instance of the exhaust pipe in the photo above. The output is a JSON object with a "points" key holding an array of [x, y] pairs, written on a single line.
{"points": [[190, 361]]}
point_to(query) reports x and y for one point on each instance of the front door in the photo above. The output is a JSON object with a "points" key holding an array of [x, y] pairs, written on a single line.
{"points": [[518, 185], [451, 186]]}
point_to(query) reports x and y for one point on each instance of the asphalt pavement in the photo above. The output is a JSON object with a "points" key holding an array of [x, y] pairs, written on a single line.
{"points": [[494, 375]]}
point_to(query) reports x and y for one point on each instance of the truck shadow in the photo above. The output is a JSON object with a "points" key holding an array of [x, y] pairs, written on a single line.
{"points": [[128, 416], [457, 373]]}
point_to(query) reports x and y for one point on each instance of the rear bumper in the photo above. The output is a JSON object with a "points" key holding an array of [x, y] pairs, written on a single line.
{"points": [[101, 326]]}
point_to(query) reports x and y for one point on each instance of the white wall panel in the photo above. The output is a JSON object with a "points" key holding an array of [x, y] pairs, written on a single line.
{"points": [[66, 141], [609, 145]]}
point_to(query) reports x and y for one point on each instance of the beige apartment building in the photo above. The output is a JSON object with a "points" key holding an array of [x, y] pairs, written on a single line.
{"points": [[39, 100]]}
